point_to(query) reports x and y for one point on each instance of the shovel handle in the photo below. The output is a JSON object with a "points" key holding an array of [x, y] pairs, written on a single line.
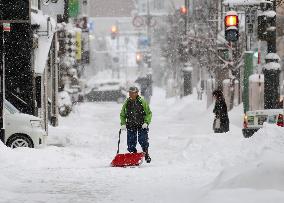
{"points": [[118, 141]]}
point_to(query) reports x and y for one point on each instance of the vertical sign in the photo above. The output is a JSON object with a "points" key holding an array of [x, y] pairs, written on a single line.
{"points": [[78, 46], [73, 8]]}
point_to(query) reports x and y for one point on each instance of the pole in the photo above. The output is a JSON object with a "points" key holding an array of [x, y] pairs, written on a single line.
{"points": [[148, 33], [186, 4], [148, 22], [3, 87], [66, 11], [271, 76], [118, 51]]}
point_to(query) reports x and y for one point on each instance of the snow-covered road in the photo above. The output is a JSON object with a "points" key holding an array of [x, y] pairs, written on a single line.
{"points": [[189, 162]]}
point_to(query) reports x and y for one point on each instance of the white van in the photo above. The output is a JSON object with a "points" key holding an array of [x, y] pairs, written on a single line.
{"points": [[22, 130], [254, 120]]}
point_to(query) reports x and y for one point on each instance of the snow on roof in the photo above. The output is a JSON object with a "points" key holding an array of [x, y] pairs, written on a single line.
{"points": [[187, 68], [250, 52], [226, 81], [256, 78], [272, 66], [272, 56], [242, 2], [44, 42], [231, 13], [270, 14], [232, 28], [271, 28]]}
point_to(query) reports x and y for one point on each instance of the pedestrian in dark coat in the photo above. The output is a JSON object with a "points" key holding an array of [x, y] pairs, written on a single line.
{"points": [[221, 121]]}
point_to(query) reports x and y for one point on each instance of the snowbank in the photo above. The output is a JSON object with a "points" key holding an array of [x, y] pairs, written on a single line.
{"points": [[272, 56], [2, 147], [259, 176], [256, 78], [242, 2], [272, 66]]}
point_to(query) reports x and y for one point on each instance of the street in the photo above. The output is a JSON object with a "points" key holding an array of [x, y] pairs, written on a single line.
{"points": [[197, 84], [186, 158]]}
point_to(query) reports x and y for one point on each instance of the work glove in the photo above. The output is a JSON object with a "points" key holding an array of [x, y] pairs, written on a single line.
{"points": [[123, 127], [145, 125]]}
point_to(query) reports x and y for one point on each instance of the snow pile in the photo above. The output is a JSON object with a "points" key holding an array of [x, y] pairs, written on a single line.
{"points": [[259, 175], [266, 170], [256, 78], [3, 148], [242, 2], [272, 56], [272, 66]]}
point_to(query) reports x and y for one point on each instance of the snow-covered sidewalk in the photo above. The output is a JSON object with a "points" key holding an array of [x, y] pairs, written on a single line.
{"points": [[189, 162]]}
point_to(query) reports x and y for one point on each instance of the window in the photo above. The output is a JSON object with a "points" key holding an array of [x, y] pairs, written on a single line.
{"points": [[158, 4], [272, 119], [10, 107], [250, 120], [261, 119], [143, 8], [34, 4]]}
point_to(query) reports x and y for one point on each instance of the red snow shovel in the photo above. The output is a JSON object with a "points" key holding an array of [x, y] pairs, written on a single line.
{"points": [[128, 159]]}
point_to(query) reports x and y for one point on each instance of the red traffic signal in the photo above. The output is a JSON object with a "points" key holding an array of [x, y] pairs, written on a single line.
{"points": [[113, 29], [231, 26], [114, 32], [183, 10], [139, 57], [232, 19]]}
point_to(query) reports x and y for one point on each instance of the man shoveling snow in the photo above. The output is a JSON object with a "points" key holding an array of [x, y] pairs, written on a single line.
{"points": [[135, 117]]}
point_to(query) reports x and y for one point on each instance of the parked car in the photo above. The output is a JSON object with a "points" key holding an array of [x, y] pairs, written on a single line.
{"points": [[107, 91], [254, 120], [22, 130]]}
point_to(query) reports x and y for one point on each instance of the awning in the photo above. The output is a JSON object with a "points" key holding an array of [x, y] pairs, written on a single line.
{"points": [[44, 39]]}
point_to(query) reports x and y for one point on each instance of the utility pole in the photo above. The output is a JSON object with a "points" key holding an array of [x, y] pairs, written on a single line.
{"points": [[186, 4], [149, 89], [149, 18], [2, 90], [271, 69], [66, 11], [118, 52]]}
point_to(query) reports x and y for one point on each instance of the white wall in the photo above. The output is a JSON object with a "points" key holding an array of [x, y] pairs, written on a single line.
{"points": [[52, 9]]}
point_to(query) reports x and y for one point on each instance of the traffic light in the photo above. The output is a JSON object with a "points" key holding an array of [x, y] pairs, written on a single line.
{"points": [[139, 57], [183, 11], [231, 26], [114, 32]]}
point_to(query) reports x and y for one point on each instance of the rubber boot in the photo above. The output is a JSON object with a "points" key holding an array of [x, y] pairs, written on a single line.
{"points": [[147, 156]]}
